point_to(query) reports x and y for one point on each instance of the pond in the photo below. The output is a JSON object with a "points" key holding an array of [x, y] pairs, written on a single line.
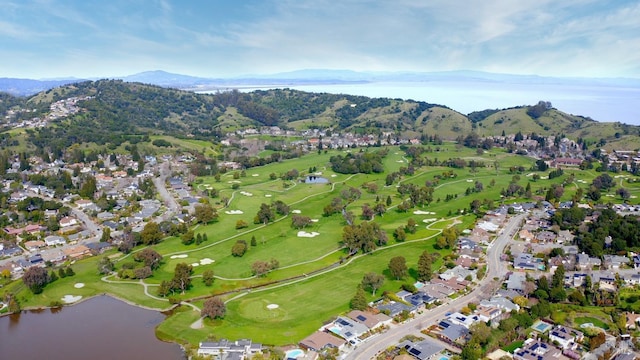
{"points": [[313, 179], [99, 328]]}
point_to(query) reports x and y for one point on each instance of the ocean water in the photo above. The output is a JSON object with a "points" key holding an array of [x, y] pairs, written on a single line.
{"points": [[599, 102]]}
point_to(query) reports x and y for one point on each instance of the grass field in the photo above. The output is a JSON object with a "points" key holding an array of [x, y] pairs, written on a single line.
{"points": [[305, 303]]}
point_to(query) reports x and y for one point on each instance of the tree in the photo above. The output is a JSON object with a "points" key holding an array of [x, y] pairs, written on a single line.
{"points": [[411, 226], [207, 277], [398, 267], [182, 277], [380, 209], [35, 278], [239, 248], [149, 257], [367, 212], [300, 221], [265, 214], [372, 281], [389, 202], [205, 213], [359, 300], [151, 233], [260, 268], [241, 224], [69, 271], [424, 267], [254, 242], [188, 237], [105, 266], [213, 308], [106, 234], [399, 234], [143, 272]]}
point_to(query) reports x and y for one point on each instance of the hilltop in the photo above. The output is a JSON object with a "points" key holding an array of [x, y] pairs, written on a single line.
{"points": [[117, 110]]}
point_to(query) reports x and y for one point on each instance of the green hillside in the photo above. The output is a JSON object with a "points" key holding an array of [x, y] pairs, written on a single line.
{"points": [[120, 112]]}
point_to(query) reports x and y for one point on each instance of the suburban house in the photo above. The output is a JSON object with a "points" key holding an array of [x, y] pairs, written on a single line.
{"points": [[487, 313], [533, 349], [615, 262], [566, 337], [501, 303], [321, 340], [545, 237], [524, 261], [395, 308], [77, 251], [229, 350], [585, 262], [459, 273], [347, 329], [526, 235], [463, 320], [34, 245], [68, 221], [370, 320], [516, 282], [424, 350], [53, 240], [636, 261], [452, 333]]}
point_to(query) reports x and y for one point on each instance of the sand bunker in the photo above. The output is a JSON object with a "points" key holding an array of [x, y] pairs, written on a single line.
{"points": [[273, 306], [420, 212], [306, 234], [254, 175], [68, 299], [429, 220], [315, 220], [333, 175], [234, 181], [246, 193], [469, 180], [181, 256], [78, 285], [206, 261], [400, 161], [296, 211], [195, 264], [267, 195], [234, 212]]}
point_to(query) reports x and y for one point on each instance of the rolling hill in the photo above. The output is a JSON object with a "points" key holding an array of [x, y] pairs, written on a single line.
{"points": [[119, 110]]}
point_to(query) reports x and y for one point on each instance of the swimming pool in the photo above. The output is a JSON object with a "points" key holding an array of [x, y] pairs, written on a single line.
{"points": [[293, 354], [444, 357], [542, 326]]}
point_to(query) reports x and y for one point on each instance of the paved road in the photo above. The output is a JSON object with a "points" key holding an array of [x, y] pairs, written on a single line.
{"points": [[495, 268], [170, 202]]}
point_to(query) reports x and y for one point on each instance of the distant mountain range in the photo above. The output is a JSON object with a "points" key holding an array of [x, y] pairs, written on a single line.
{"points": [[27, 87]]}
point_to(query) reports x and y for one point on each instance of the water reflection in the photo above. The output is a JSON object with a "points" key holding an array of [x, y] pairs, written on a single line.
{"points": [[99, 328]]}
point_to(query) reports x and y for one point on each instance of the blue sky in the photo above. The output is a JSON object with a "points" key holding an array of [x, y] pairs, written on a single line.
{"points": [[225, 38]]}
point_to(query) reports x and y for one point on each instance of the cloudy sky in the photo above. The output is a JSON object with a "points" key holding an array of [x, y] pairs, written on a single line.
{"points": [[225, 38]]}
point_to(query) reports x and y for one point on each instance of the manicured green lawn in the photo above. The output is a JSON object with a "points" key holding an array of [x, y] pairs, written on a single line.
{"points": [[595, 321], [513, 346]]}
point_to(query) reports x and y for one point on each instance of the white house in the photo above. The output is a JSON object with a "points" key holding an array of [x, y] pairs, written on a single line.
{"points": [[53, 240]]}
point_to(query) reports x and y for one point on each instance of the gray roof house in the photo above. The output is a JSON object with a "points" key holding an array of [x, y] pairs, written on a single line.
{"points": [[424, 350], [516, 281], [452, 333], [614, 262], [585, 262]]}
